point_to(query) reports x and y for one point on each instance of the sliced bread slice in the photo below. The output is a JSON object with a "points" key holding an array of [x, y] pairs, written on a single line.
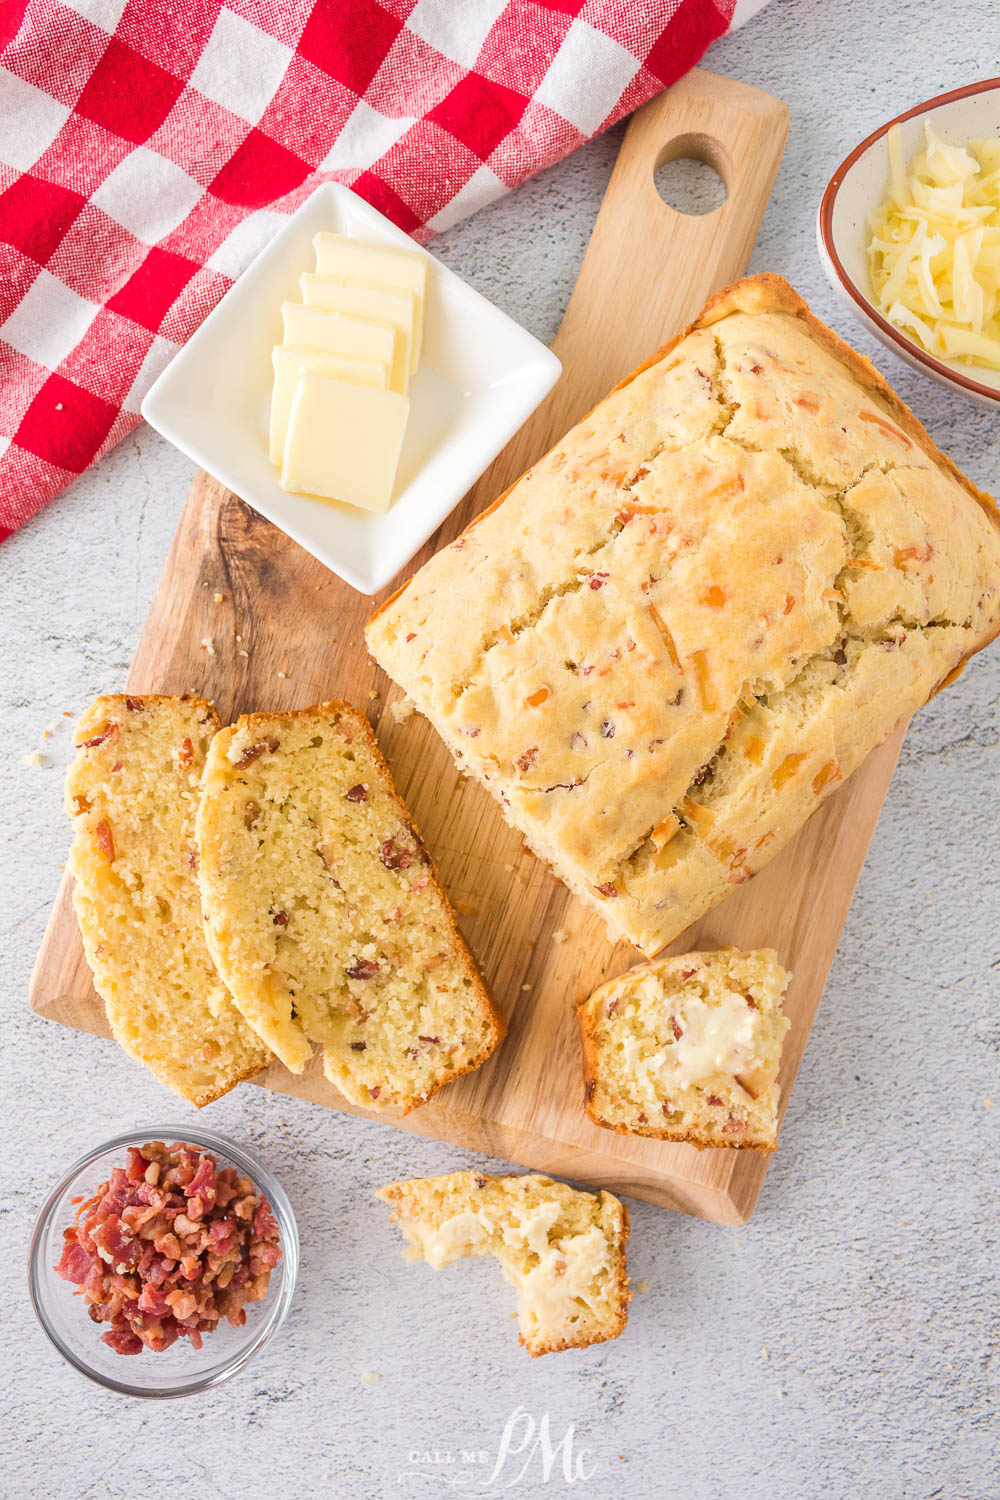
{"points": [[688, 1048], [564, 1250], [132, 792], [325, 914]]}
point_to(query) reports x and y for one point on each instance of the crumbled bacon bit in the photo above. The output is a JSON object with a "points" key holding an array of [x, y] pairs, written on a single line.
{"points": [[280, 919], [135, 705], [362, 968], [538, 697], [734, 1125], [676, 1028], [613, 1005], [105, 840], [193, 858], [357, 793], [667, 1107], [395, 856], [429, 1041], [642, 1119], [481, 1181], [168, 1247], [712, 1099], [358, 1046], [254, 752], [107, 732], [607, 889], [607, 730], [411, 637], [185, 754], [525, 762], [598, 580], [251, 813], [374, 1093]]}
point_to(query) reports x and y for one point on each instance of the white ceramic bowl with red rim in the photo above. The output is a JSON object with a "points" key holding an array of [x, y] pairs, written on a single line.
{"points": [[859, 186]]}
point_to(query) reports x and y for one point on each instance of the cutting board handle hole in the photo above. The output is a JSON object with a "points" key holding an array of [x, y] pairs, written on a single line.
{"points": [[692, 174]]}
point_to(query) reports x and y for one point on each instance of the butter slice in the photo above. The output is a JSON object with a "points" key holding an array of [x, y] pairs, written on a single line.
{"points": [[287, 364], [343, 441], [397, 308], [358, 264], [334, 333]]}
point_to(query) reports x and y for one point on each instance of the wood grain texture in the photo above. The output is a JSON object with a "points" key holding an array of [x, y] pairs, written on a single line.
{"points": [[287, 633]]}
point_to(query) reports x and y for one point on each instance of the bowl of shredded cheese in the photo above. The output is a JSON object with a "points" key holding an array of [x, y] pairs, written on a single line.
{"points": [[909, 235]]}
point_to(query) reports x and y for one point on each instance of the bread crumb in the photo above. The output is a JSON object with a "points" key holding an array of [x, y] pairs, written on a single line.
{"points": [[765, 1353], [559, 936], [989, 1104], [282, 675], [243, 653], [402, 710], [370, 1377], [208, 645], [373, 694], [218, 598], [465, 909], [645, 1285], [525, 987], [34, 758]]}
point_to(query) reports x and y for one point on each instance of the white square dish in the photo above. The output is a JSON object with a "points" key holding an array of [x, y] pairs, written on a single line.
{"points": [[481, 375]]}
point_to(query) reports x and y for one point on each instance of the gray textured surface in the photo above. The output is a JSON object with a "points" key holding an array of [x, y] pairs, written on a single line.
{"points": [[843, 1344]]}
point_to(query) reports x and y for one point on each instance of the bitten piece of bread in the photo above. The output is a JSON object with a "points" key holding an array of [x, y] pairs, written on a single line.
{"points": [[132, 792], [325, 914], [563, 1250], [688, 1048]]}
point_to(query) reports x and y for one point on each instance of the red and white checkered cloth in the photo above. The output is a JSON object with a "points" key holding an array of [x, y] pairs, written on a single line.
{"points": [[150, 148]]}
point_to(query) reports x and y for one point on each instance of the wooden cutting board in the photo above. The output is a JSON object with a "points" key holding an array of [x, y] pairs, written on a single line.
{"points": [[289, 633]]}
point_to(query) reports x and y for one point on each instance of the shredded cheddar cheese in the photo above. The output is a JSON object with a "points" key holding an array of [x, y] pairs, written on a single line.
{"points": [[934, 251]]}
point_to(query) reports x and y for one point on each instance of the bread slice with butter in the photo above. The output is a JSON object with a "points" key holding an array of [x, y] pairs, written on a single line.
{"points": [[688, 1049], [132, 793], [325, 914], [563, 1250]]}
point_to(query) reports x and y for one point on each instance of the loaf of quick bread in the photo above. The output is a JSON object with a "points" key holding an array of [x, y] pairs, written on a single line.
{"points": [[325, 914], [132, 793], [687, 624]]}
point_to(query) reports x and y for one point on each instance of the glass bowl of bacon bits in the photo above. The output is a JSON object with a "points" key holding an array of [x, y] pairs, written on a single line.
{"points": [[163, 1261]]}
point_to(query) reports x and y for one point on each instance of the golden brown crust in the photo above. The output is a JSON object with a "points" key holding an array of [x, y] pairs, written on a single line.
{"points": [[767, 292]]}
